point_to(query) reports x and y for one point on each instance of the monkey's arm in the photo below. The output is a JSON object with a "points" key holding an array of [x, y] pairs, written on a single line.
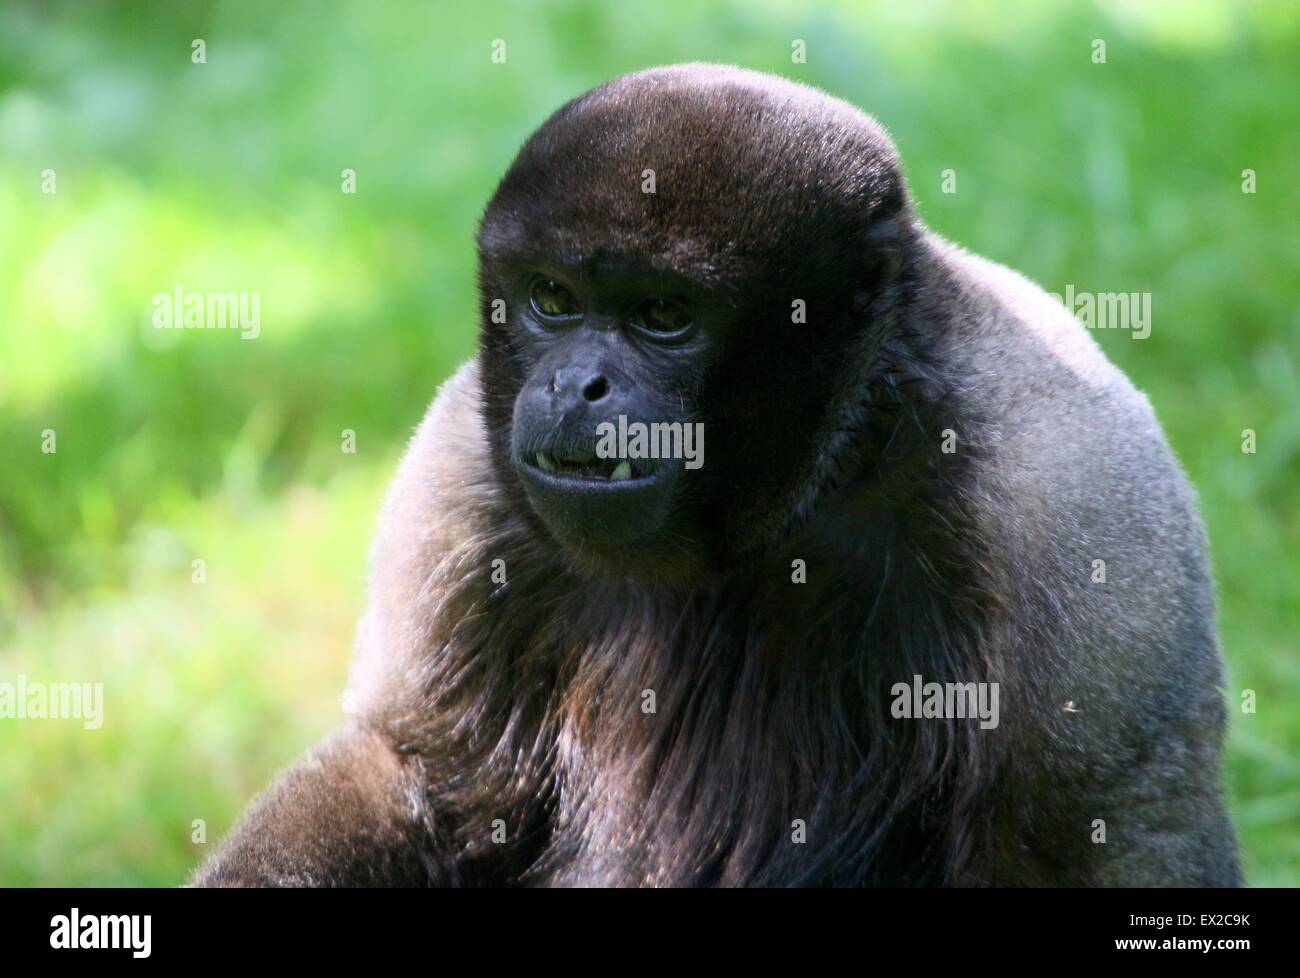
{"points": [[350, 814], [354, 812]]}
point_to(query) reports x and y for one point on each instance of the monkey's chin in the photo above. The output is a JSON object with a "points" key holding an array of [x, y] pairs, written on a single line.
{"points": [[600, 521]]}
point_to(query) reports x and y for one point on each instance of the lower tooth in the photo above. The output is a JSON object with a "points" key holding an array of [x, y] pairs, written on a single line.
{"points": [[622, 471]]}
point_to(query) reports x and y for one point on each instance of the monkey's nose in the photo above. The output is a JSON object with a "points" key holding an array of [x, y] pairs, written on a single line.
{"points": [[573, 387]]}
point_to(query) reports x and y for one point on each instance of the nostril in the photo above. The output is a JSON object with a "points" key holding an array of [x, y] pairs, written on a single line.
{"points": [[595, 389]]}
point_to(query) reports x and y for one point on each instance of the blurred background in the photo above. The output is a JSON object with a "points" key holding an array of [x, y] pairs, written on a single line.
{"points": [[175, 446]]}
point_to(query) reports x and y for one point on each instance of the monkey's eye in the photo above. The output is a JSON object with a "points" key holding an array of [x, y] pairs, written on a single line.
{"points": [[665, 317], [551, 300]]}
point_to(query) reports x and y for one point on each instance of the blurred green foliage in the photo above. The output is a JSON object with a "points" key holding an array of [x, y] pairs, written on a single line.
{"points": [[176, 446]]}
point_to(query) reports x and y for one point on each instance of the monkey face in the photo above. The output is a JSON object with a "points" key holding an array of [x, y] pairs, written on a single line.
{"points": [[674, 275], [605, 425], [586, 421], [604, 360]]}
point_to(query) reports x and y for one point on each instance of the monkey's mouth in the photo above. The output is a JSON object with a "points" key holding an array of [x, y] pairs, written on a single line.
{"points": [[580, 464], [592, 504]]}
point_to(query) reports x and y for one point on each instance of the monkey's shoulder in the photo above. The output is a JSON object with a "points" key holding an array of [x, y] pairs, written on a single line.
{"points": [[429, 535]]}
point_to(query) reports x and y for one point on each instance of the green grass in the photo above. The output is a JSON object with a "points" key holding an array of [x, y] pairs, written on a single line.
{"points": [[225, 176]]}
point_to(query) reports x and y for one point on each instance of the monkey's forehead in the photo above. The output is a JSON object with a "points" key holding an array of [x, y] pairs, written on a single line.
{"points": [[696, 164], [595, 247]]}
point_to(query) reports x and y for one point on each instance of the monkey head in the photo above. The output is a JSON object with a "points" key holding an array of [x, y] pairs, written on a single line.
{"points": [[684, 262]]}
